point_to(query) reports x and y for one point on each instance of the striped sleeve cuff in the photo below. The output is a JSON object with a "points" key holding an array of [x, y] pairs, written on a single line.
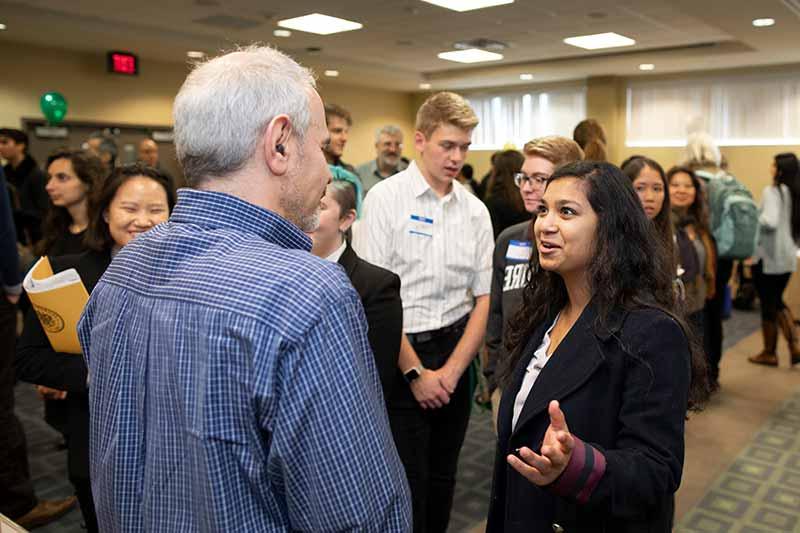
{"points": [[584, 471]]}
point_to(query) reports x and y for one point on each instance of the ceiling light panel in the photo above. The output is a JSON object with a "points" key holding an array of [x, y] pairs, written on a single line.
{"points": [[599, 41], [473, 55], [320, 24], [763, 23], [467, 5]]}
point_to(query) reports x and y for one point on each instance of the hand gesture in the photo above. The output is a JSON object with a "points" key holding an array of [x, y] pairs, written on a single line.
{"points": [[556, 451], [428, 390]]}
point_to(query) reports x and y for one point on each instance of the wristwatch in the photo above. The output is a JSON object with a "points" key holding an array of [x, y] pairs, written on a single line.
{"points": [[413, 373]]}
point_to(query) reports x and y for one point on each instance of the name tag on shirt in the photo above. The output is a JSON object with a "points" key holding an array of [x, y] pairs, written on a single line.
{"points": [[421, 226], [519, 251]]}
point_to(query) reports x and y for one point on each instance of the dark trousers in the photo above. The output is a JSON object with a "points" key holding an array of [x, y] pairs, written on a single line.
{"points": [[713, 319], [770, 289], [429, 440], [16, 490], [83, 490]]}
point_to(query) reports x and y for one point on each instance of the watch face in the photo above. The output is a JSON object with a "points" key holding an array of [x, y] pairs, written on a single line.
{"points": [[411, 375]]}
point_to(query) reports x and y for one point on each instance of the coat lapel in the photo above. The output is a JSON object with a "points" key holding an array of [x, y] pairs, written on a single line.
{"points": [[570, 366], [506, 408], [348, 260]]}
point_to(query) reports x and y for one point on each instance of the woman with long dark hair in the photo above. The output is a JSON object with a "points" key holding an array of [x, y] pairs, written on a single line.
{"points": [[651, 186], [697, 256], [502, 196], [599, 356], [132, 200], [72, 177], [777, 259]]}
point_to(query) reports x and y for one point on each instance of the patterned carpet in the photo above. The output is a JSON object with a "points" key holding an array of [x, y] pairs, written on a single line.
{"points": [[760, 491], [48, 467]]}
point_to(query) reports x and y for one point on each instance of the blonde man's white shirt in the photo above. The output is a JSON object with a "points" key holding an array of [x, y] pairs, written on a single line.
{"points": [[441, 248]]}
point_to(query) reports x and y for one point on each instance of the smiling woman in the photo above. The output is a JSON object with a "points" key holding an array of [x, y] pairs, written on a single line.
{"points": [[133, 199], [598, 356]]}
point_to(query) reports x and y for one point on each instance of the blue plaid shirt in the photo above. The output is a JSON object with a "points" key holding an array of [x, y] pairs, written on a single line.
{"points": [[232, 386]]}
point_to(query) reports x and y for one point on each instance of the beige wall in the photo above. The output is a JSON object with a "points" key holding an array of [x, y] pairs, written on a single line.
{"points": [[95, 95], [92, 94]]}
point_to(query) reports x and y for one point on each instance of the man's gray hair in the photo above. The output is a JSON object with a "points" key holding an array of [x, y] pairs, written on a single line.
{"points": [[223, 108], [701, 151], [390, 130]]}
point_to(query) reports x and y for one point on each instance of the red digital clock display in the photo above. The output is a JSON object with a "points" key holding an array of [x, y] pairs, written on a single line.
{"points": [[123, 63]]}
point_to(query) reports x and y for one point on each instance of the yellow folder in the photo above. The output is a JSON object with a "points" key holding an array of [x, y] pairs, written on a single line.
{"points": [[58, 300]]}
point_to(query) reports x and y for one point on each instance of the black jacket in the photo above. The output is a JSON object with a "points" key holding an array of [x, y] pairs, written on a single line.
{"points": [[379, 290], [29, 198], [37, 362], [624, 392]]}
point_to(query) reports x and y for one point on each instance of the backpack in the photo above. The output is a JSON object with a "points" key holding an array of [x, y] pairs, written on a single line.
{"points": [[734, 215]]}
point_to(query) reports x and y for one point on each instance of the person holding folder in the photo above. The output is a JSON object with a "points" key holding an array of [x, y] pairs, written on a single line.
{"points": [[133, 199]]}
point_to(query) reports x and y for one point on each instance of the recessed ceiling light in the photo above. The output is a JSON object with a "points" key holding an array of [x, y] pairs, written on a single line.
{"points": [[468, 5], [763, 23], [282, 33], [647, 66], [600, 40], [332, 73], [2, 27], [526, 77], [473, 55], [195, 54], [424, 86], [319, 24]]}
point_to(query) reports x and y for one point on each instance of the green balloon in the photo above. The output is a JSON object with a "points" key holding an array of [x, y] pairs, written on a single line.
{"points": [[54, 107]]}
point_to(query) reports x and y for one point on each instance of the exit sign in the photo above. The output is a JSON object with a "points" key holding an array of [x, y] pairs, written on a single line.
{"points": [[123, 63]]}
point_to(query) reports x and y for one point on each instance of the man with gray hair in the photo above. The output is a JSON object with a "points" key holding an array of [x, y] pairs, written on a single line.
{"points": [[232, 383], [389, 160]]}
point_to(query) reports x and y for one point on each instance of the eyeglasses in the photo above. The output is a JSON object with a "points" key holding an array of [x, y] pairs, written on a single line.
{"points": [[536, 180]]}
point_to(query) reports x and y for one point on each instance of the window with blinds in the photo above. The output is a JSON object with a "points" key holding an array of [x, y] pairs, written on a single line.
{"points": [[516, 118], [736, 110]]}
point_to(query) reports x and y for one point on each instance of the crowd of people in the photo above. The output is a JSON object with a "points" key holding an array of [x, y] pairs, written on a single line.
{"points": [[290, 341]]}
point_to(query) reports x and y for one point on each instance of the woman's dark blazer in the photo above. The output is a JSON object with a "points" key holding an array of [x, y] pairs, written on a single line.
{"points": [[624, 392], [37, 362], [379, 290]]}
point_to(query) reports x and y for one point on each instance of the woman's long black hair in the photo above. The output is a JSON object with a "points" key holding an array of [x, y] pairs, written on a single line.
{"points": [[788, 173], [630, 269]]}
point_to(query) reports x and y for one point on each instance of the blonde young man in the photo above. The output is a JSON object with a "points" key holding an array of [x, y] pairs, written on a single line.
{"points": [[424, 226], [512, 252]]}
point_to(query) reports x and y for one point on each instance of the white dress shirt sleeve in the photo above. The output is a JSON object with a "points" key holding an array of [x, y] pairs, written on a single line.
{"points": [[484, 248], [375, 230]]}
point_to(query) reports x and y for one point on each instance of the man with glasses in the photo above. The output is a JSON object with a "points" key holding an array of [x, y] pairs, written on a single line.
{"points": [[389, 160], [512, 252]]}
